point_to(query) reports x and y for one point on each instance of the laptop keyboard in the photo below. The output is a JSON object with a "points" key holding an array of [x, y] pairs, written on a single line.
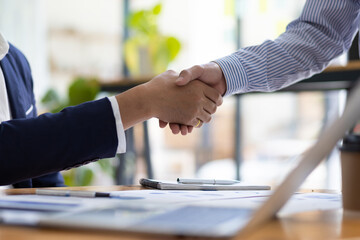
{"points": [[196, 217]]}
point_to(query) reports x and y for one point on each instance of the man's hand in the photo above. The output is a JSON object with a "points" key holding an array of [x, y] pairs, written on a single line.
{"points": [[209, 73], [191, 104]]}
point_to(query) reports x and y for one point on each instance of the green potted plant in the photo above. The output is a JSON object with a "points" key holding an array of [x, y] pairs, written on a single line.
{"points": [[147, 50]]}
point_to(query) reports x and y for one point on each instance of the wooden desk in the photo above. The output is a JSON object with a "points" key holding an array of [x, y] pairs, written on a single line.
{"points": [[308, 225]]}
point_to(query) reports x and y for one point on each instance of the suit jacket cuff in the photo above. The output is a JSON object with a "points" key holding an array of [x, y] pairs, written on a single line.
{"points": [[119, 126]]}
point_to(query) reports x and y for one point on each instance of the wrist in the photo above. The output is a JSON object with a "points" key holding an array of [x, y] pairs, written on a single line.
{"points": [[145, 99], [134, 106], [222, 86]]}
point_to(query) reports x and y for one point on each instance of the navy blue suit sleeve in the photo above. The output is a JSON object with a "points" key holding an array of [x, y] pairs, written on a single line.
{"points": [[53, 142]]}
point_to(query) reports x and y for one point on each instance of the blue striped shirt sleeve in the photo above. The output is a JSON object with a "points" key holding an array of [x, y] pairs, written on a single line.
{"points": [[324, 30]]}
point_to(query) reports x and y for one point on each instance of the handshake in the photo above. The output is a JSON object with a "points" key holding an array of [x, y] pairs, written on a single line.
{"points": [[183, 101]]}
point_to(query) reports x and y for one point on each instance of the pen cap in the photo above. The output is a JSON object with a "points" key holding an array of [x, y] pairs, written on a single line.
{"points": [[350, 172]]}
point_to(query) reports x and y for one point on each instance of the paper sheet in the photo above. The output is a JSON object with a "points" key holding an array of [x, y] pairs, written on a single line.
{"points": [[181, 197], [299, 202]]}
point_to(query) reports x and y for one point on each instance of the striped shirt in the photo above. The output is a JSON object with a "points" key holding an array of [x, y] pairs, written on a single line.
{"points": [[324, 30]]}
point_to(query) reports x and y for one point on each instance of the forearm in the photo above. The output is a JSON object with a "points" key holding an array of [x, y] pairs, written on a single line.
{"points": [[323, 31]]}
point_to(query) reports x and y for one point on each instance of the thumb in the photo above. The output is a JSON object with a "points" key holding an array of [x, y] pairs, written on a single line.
{"points": [[189, 74], [181, 81]]}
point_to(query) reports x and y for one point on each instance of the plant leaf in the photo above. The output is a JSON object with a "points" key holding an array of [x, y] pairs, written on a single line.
{"points": [[157, 9], [174, 47], [84, 176], [82, 90]]}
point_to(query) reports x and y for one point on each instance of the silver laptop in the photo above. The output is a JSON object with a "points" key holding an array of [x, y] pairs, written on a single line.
{"points": [[205, 221]]}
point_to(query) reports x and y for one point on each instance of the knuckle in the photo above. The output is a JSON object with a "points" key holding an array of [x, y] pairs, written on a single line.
{"points": [[198, 67], [171, 72], [185, 73]]}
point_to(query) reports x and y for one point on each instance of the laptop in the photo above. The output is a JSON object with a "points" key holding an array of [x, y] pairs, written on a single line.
{"points": [[209, 221]]}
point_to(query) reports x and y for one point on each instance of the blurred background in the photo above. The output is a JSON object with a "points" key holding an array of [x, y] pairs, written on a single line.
{"points": [[76, 47]]}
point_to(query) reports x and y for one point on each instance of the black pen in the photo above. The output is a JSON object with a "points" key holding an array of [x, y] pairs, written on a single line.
{"points": [[71, 193]]}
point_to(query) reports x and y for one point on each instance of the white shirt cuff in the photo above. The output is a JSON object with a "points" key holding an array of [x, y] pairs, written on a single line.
{"points": [[119, 126]]}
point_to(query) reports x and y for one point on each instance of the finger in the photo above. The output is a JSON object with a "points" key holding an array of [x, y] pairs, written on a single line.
{"points": [[210, 107], [175, 128], [184, 130], [198, 124], [189, 74], [190, 129], [193, 123], [213, 95], [204, 116], [162, 124]]}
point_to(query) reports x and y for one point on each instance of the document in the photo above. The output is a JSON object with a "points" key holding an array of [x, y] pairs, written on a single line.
{"points": [[163, 197], [299, 202]]}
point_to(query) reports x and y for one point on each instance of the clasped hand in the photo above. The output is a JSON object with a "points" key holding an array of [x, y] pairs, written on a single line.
{"points": [[184, 106], [210, 74]]}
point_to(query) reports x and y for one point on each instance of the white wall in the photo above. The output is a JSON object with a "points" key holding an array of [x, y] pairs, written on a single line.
{"points": [[22, 22]]}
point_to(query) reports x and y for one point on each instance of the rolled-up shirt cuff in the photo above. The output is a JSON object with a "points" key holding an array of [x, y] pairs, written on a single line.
{"points": [[234, 73], [119, 126]]}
